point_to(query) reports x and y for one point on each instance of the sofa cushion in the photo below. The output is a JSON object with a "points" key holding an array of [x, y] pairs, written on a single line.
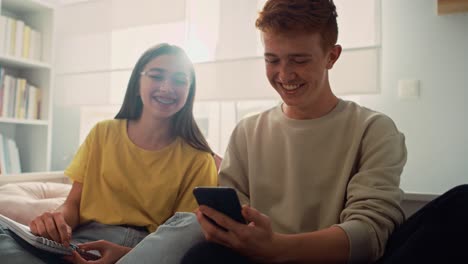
{"points": [[24, 201]]}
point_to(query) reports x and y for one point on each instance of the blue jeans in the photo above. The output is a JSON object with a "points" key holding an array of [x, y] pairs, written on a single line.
{"points": [[169, 243], [13, 250]]}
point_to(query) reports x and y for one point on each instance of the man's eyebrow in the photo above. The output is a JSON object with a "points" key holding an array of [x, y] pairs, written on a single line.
{"points": [[294, 55], [300, 55]]}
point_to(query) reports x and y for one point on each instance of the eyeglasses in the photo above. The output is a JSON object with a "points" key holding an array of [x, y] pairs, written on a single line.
{"points": [[176, 81]]}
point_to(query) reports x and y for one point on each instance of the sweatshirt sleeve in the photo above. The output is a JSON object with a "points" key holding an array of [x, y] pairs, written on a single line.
{"points": [[372, 209], [233, 171]]}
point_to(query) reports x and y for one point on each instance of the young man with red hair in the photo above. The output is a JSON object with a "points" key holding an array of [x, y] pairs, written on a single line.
{"points": [[319, 175]]}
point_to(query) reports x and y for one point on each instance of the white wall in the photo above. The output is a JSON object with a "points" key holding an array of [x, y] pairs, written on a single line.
{"points": [[89, 33], [418, 44]]}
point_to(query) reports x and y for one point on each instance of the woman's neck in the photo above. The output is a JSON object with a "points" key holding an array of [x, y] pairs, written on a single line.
{"points": [[150, 133]]}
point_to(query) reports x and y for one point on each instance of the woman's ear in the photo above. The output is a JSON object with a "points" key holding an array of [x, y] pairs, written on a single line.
{"points": [[333, 56]]}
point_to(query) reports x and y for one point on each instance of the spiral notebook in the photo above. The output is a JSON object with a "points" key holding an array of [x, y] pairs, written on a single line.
{"points": [[25, 234]]}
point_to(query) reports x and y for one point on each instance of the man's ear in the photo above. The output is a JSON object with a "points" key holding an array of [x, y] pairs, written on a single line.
{"points": [[333, 56]]}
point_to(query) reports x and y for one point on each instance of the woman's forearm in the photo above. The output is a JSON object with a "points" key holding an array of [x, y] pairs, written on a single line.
{"points": [[71, 214], [70, 209]]}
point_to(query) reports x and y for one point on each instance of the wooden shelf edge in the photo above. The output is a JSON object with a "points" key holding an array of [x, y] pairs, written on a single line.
{"points": [[445, 7]]}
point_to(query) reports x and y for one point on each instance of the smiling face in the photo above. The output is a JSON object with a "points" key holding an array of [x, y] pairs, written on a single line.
{"points": [[164, 86], [297, 68]]}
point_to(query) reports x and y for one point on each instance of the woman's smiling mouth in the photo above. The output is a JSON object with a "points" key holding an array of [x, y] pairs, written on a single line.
{"points": [[164, 100]]}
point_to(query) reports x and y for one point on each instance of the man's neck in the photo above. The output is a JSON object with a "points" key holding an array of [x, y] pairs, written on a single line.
{"points": [[316, 110]]}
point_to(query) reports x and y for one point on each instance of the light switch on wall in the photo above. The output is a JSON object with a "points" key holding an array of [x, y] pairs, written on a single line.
{"points": [[408, 89]]}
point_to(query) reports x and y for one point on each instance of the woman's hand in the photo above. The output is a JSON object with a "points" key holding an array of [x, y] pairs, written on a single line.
{"points": [[58, 225], [110, 252], [52, 226]]}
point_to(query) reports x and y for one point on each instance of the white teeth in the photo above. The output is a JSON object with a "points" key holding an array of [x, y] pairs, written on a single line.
{"points": [[164, 100], [290, 86]]}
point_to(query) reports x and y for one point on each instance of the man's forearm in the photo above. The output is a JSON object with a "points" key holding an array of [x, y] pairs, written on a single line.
{"points": [[329, 245]]}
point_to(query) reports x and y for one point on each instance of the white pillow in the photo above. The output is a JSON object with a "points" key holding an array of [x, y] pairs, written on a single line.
{"points": [[24, 201]]}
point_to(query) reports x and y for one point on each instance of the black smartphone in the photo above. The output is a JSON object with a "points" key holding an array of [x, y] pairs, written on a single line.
{"points": [[87, 255], [222, 199]]}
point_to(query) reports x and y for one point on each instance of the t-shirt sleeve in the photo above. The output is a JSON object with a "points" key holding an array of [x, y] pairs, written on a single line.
{"points": [[76, 171], [372, 209], [202, 173]]}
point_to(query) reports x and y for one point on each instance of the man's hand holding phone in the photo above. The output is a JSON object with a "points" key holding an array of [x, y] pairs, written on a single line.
{"points": [[254, 239]]}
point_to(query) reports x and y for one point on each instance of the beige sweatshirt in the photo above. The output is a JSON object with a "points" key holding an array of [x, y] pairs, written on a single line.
{"points": [[343, 168]]}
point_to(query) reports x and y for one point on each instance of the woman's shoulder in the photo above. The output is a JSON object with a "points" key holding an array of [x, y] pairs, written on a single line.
{"points": [[107, 128], [191, 151], [108, 125]]}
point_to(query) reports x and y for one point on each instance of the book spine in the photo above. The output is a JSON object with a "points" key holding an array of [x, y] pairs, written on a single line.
{"points": [[6, 95], [3, 30], [32, 104], [12, 36], [19, 38], [3, 169], [14, 157], [6, 156], [2, 89], [26, 41]]}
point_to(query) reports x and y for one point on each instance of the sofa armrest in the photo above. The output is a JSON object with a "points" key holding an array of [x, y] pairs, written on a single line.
{"points": [[53, 176]]}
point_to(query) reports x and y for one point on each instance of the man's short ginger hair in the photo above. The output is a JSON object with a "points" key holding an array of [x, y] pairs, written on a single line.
{"points": [[310, 16]]}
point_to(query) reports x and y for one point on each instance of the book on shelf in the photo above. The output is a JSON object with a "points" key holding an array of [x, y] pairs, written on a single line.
{"points": [[14, 157], [26, 41], [9, 159], [19, 98], [19, 39], [20, 88], [33, 102], [12, 36], [11, 86], [3, 25], [3, 157], [35, 48], [2, 90], [24, 233]]}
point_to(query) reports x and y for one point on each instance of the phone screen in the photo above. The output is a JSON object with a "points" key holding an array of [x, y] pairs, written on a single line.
{"points": [[222, 199]]}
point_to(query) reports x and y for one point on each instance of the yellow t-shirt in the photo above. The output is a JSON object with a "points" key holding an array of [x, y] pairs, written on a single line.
{"points": [[124, 184]]}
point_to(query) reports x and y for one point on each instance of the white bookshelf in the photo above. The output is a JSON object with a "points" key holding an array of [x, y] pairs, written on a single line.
{"points": [[22, 62], [32, 136]]}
